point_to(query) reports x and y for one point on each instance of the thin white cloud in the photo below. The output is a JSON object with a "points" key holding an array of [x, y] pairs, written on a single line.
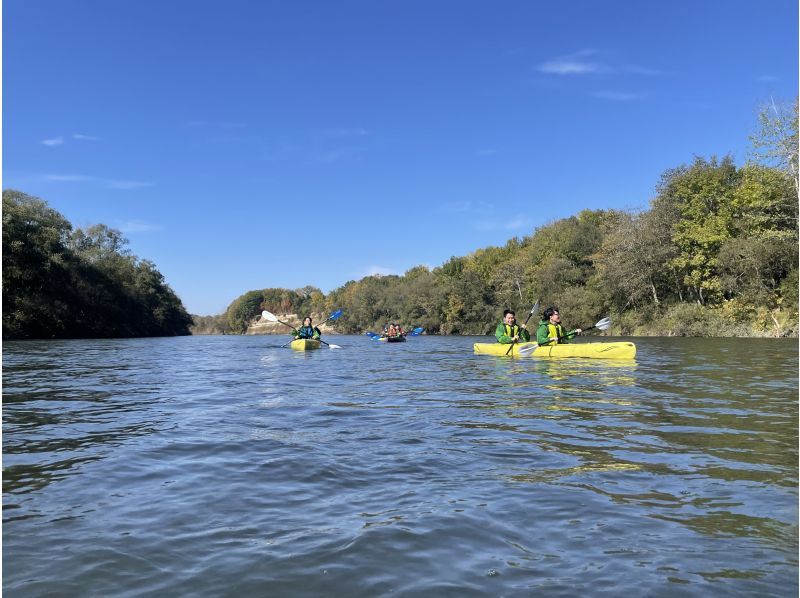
{"points": [[337, 143], [466, 207], [323, 145], [82, 137], [108, 183], [618, 96], [68, 178], [569, 67], [336, 154], [582, 63], [515, 223], [518, 223], [53, 142], [576, 63], [137, 226]]}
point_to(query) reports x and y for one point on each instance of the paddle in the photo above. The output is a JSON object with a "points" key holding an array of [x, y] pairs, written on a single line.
{"points": [[273, 318], [534, 309], [603, 324], [334, 316], [330, 346]]}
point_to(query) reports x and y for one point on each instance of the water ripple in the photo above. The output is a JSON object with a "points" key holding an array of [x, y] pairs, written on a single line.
{"points": [[228, 466]]}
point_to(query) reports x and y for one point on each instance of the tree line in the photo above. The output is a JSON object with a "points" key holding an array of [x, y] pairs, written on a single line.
{"points": [[714, 254], [60, 282]]}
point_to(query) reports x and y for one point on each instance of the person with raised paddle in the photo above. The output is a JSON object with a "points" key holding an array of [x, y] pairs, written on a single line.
{"points": [[307, 330], [508, 332], [551, 331], [334, 316]]}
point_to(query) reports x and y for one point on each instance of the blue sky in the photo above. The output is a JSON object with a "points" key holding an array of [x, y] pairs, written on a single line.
{"points": [[243, 145]]}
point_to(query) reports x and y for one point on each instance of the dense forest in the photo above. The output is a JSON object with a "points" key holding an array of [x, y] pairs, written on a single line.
{"points": [[715, 254], [65, 283]]}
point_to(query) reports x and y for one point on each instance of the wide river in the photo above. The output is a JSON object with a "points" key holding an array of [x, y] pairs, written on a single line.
{"points": [[228, 466]]}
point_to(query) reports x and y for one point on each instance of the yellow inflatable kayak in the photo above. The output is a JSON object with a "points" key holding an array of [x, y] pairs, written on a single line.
{"points": [[305, 344], [619, 350]]}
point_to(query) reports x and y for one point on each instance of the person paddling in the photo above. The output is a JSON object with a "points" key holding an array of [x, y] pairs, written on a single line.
{"points": [[307, 330], [551, 331], [508, 331]]}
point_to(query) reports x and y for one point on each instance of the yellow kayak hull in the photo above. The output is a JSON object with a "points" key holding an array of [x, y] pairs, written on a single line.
{"points": [[305, 344], [618, 350]]}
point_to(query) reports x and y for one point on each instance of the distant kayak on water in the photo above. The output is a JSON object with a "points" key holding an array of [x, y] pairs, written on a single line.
{"points": [[398, 338], [614, 350]]}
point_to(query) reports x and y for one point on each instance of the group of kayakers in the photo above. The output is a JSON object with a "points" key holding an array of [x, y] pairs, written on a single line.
{"points": [[549, 332], [393, 330], [308, 330]]}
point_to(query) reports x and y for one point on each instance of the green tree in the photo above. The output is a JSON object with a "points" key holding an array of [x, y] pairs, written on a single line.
{"points": [[61, 284], [702, 197]]}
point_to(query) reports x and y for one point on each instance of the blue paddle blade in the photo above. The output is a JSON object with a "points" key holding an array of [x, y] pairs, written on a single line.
{"points": [[335, 315], [416, 331]]}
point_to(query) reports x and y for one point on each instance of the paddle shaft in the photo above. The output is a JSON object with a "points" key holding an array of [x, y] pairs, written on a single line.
{"points": [[533, 309]]}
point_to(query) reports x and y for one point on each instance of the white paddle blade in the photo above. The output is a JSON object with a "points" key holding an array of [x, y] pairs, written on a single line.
{"points": [[333, 346], [268, 316], [603, 324], [527, 350]]}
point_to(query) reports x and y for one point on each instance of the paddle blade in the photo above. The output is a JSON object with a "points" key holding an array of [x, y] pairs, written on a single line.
{"points": [[331, 346], [268, 316], [527, 350], [335, 315], [534, 309], [416, 331], [603, 324]]}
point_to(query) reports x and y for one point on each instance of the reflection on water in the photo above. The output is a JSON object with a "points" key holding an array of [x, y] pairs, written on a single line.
{"points": [[230, 466]]}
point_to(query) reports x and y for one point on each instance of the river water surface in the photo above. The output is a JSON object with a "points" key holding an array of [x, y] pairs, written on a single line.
{"points": [[228, 466]]}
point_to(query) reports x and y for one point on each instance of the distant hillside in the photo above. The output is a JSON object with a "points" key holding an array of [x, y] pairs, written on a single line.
{"points": [[714, 255]]}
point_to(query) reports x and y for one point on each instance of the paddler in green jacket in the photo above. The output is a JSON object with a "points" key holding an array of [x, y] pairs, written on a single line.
{"points": [[550, 330], [508, 332], [307, 330]]}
